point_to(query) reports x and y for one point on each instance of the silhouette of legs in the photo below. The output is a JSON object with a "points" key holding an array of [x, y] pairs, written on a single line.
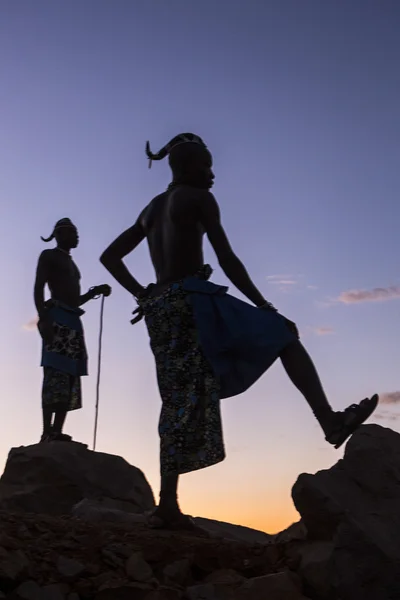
{"points": [[303, 374], [337, 426], [168, 514], [47, 418], [59, 420]]}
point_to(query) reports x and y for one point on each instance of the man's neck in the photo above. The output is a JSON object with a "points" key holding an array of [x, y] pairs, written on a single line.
{"points": [[178, 182], [64, 250]]}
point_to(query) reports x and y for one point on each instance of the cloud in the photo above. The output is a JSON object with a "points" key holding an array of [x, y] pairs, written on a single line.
{"points": [[31, 325], [375, 295], [282, 279], [324, 330], [284, 283], [390, 398], [384, 416]]}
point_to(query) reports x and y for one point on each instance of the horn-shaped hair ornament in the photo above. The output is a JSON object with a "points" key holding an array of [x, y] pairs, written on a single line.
{"points": [[59, 225], [182, 138]]}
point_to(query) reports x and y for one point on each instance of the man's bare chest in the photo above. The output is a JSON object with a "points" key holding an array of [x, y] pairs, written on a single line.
{"points": [[64, 270]]}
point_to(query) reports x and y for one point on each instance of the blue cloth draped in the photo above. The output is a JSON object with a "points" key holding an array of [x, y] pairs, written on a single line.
{"points": [[240, 341], [67, 352]]}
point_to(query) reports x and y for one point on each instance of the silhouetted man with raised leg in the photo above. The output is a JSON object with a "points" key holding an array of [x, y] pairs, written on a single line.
{"points": [[64, 358], [207, 344]]}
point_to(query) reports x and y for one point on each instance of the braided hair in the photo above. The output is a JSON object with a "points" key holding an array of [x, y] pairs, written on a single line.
{"points": [[62, 223], [182, 138]]}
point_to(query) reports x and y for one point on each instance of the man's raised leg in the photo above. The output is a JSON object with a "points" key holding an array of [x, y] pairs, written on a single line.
{"points": [[337, 426]]}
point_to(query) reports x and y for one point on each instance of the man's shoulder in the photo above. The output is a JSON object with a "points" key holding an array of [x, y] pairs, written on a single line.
{"points": [[47, 254], [193, 194]]}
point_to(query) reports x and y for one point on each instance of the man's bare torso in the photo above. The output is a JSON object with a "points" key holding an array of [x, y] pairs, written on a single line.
{"points": [[174, 234], [63, 277]]}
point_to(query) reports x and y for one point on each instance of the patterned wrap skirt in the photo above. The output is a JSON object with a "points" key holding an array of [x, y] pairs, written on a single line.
{"points": [[64, 361], [207, 345]]}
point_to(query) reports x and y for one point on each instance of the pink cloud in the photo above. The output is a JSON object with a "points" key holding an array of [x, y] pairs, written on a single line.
{"points": [[324, 330], [386, 417], [31, 325], [375, 295], [390, 398]]}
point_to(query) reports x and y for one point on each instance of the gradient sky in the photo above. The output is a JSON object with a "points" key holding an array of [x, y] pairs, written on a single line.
{"points": [[299, 102]]}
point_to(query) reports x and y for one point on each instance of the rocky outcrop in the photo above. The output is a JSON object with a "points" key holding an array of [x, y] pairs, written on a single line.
{"points": [[52, 478], [94, 542], [64, 558], [99, 510], [353, 508]]}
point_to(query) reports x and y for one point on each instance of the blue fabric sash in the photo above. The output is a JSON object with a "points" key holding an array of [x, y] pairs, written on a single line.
{"points": [[63, 315], [240, 341]]}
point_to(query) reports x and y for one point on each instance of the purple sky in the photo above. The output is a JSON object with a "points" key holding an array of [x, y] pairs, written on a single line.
{"points": [[299, 102]]}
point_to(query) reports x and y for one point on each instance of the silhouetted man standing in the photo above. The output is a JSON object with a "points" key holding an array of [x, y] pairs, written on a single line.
{"points": [[64, 357], [207, 344]]}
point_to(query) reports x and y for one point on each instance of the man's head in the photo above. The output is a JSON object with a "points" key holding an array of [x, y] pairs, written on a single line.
{"points": [[65, 233], [189, 159]]}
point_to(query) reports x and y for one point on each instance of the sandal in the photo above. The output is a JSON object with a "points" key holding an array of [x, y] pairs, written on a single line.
{"points": [[351, 419]]}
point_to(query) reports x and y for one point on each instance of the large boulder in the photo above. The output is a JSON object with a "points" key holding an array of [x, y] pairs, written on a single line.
{"points": [[52, 478], [355, 504]]}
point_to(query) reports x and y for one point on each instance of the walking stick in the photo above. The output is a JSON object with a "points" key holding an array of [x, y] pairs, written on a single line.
{"points": [[98, 373]]}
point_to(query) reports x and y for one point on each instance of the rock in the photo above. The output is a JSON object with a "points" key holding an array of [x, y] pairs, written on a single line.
{"points": [[279, 586], [202, 592], [56, 591], [99, 511], [177, 572], [355, 503], [124, 592], [111, 558], [119, 549], [295, 532], [164, 593], [226, 577], [13, 566], [360, 571], [68, 568], [315, 569], [84, 588], [138, 569], [53, 478], [236, 533], [28, 590], [103, 579]]}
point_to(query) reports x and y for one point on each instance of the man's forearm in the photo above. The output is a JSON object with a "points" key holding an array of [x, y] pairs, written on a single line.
{"points": [[86, 297], [119, 271], [236, 272]]}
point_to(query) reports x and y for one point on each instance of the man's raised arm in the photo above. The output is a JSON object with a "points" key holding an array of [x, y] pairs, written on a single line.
{"points": [[112, 257], [231, 265]]}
